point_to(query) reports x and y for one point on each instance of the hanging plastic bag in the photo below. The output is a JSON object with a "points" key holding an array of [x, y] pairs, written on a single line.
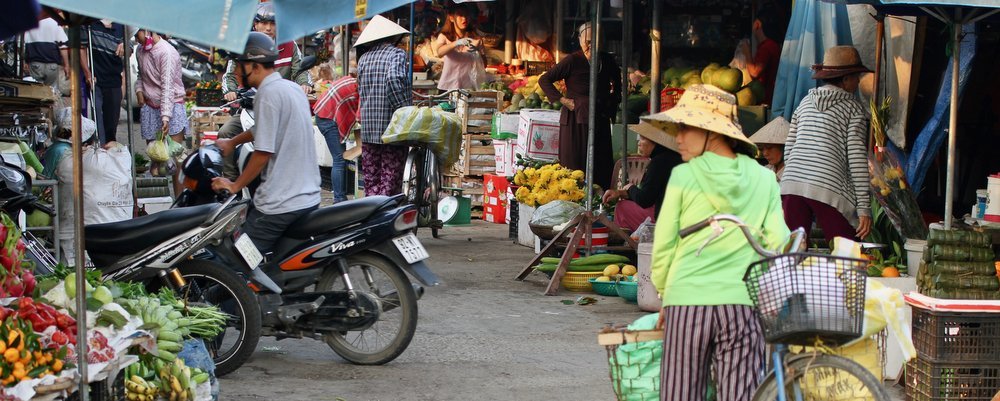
{"points": [[159, 150], [440, 130]]}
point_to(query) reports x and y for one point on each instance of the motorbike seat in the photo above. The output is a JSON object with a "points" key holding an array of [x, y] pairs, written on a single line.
{"points": [[326, 219], [131, 236]]}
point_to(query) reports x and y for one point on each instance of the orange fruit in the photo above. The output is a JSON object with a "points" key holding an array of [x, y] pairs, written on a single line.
{"points": [[890, 272]]}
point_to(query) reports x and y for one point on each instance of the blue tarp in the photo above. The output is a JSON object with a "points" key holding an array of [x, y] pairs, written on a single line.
{"points": [[224, 23], [814, 27]]}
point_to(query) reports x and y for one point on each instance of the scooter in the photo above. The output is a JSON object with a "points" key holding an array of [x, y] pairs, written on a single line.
{"points": [[196, 65], [157, 250], [340, 274]]}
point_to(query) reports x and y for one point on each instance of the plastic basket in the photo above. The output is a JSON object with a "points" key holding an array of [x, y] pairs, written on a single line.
{"points": [[634, 362], [579, 281], [931, 381], [803, 297], [956, 336], [628, 290], [606, 288], [669, 98], [208, 97]]}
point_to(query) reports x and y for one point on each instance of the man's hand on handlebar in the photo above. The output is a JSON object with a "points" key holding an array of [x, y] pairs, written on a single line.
{"points": [[230, 96], [221, 184]]}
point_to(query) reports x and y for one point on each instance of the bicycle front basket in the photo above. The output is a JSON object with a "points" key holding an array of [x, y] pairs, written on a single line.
{"points": [[803, 297]]}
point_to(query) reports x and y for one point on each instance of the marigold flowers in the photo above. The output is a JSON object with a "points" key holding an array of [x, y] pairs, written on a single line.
{"points": [[548, 183]]}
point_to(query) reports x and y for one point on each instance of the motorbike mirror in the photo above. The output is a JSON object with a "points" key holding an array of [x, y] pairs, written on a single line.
{"points": [[307, 63]]}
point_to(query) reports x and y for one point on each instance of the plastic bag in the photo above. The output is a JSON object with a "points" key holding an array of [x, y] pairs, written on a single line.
{"points": [[740, 60], [555, 213], [196, 355], [439, 129], [159, 150], [644, 234]]}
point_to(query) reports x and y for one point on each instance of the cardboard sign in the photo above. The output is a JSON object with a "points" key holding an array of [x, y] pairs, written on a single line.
{"points": [[360, 9]]}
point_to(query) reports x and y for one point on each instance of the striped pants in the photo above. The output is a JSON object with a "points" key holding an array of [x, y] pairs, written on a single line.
{"points": [[726, 338]]}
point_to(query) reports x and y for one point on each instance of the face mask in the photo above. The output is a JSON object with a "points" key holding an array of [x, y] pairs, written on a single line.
{"points": [[149, 42]]}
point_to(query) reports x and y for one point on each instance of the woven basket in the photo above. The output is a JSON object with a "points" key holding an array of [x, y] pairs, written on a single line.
{"points": [[579, 281], [606, 288], [628, 290]]}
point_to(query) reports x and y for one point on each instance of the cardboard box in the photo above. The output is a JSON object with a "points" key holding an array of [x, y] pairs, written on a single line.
{"points": [[505, 125], [495, 190], [503, 154], [495, 214], [538, 134], [15, 88]]}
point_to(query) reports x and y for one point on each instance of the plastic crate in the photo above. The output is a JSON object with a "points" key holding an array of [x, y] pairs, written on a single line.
{"points": [[933, 381], [956, 336], [606, 288]]}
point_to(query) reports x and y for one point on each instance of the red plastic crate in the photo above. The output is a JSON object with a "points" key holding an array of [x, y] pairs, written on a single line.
{"points": [[933, 381], [956, 336]]}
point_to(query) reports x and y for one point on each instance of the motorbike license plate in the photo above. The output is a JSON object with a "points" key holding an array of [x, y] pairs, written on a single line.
{"points": [[411, 248], [249, 251]]}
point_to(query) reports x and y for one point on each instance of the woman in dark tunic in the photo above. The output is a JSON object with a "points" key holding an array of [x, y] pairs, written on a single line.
{"points": [[575, 71]]}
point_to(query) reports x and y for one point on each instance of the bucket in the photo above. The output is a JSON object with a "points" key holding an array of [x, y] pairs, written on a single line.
{"points": [[993, 202], [647, 299], [598, 237], [914, 253], [455, 211]]}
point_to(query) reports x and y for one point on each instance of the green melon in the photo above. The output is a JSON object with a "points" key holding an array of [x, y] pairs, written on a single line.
{"points": [[745, 97], [728, 79]]}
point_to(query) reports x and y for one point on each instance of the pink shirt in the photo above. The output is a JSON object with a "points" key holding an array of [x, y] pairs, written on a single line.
{"points": [[160, 77]]}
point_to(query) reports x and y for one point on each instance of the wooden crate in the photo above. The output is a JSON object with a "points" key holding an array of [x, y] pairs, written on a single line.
{"points": [[477, 111], [478, 155], [205, 122]]}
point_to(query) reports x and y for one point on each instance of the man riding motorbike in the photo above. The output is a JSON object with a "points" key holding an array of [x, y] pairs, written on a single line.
{"points": [[284, 154], [287, 64]]}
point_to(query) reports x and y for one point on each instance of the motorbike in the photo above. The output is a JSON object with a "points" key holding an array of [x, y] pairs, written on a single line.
{"points": [[157, 250], [196, 64], [340, 274]]}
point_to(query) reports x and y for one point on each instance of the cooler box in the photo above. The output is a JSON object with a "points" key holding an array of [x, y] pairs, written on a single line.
{"points": [[503, 153], [538, 134]]}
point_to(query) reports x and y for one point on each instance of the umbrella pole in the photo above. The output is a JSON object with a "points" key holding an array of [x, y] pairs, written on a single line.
{"points": [[412, 40], [654, 62], [81, 277], [626, 45], [127, 51], [952, 125], [879, 38], [595, 60]]}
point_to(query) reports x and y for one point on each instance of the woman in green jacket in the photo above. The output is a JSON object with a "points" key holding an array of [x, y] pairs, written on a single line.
{"points": [[707, 314]]}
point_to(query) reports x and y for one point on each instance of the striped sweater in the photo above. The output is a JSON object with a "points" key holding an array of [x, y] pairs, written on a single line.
{"points": [[825, 153]]}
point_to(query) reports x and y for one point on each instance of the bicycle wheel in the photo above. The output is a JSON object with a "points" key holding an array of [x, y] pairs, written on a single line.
{"points": [[414, 184], [823, 377], [433, 173]]}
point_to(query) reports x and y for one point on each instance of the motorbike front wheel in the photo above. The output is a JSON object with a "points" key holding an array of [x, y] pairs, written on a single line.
{"points": [[387, 338], [212, 284]]}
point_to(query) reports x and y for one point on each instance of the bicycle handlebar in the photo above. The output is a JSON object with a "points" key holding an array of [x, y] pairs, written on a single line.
{"points": [[794, 244], [442, 95]]}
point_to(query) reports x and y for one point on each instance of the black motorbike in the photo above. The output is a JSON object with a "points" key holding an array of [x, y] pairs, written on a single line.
{"points": [[196, 64], [157, 250], [340, 274]]}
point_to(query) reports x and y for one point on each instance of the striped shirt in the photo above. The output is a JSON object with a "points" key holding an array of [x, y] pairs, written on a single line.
{"points": [[384, 86], [826, 153]]}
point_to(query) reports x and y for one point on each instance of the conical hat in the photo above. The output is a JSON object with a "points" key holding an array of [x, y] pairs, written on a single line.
{"points": [[773, 133], [706, 107], [649, 131], [379, 28]]}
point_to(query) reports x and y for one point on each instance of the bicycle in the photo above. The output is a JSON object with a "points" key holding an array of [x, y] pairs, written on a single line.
{"points": [[805, 299], [422, 171]]}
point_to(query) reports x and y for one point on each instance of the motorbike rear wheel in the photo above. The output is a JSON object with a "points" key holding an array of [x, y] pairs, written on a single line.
{"points": [[212, 284], [387, 338]]}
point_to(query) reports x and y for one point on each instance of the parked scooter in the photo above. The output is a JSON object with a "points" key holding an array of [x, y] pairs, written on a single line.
{"points": [[339, 274], [196, 65], [156, 250]]}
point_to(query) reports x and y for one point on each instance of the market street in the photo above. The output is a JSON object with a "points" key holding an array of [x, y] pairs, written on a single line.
{"points": [[480, 336]]}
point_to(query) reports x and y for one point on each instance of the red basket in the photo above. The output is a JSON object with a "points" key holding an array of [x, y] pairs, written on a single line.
{"points": [[669, 97], [956, 336]]}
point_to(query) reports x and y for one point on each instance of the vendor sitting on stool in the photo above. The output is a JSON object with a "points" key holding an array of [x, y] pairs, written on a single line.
{"points": [[637, 202], [771, 140]]}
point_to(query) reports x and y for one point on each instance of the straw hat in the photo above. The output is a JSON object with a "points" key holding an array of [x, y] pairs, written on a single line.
{"points": [[648, 131], [64, 120], [773, 133], [379, 28], [839, 61], [706, 107]]}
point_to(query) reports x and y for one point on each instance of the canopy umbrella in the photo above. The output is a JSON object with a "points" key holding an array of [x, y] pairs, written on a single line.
{"points": [[957, 14], [226, 24]]}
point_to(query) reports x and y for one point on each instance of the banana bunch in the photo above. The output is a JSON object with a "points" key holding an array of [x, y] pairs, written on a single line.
{"points": [[177, 381], [138, 389]]}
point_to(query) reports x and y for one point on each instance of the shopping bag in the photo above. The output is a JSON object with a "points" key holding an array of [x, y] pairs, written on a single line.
{"points": [[440, 130]]}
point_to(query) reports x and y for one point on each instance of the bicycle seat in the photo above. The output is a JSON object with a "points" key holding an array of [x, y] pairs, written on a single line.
{"points": [[109, 242], [326, 219]]}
